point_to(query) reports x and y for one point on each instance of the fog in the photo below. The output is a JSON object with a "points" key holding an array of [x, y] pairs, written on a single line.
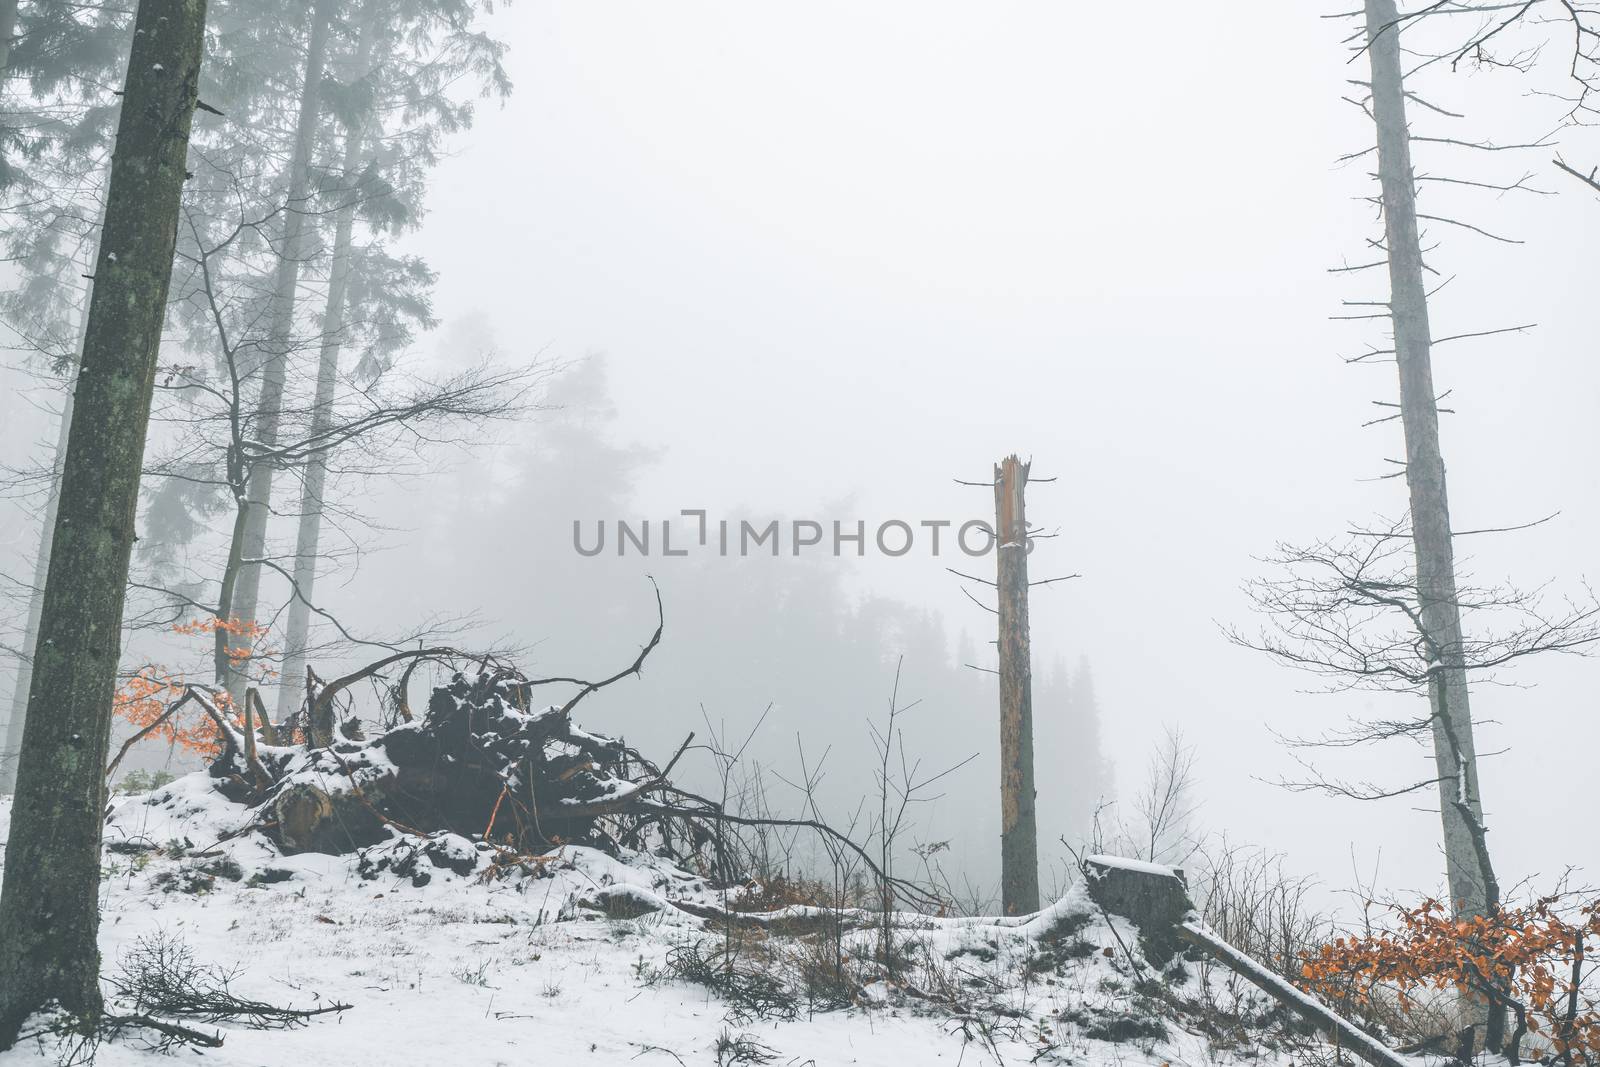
{"points": [[827, 261]]}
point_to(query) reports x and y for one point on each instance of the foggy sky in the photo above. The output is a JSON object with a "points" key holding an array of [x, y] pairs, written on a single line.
{"points": [[839, 255]]}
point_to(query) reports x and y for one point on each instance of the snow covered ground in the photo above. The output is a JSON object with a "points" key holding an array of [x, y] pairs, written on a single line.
{"points": [[457, 971]]}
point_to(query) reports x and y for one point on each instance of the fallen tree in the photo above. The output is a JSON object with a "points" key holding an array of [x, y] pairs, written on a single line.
{"points": [[484, 762], [1155, 898]]}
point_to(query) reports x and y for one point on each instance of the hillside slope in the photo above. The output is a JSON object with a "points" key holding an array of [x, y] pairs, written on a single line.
{"points": [[444, 967]]}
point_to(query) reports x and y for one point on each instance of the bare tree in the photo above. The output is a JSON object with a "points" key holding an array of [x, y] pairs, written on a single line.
{"points": [[902, 786], [1519, 36], [1403, 256], [1352, 612], [1437, 608], [1163, 826], [1166, 807], [1385, 610], [399, 412]]}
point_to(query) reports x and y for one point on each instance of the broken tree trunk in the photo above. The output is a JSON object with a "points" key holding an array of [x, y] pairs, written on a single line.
{"points": [[1156, 899], [1019, 835]]}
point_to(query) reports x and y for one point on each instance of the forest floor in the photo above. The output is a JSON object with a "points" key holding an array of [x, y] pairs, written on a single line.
{"points": [[462, 971]]}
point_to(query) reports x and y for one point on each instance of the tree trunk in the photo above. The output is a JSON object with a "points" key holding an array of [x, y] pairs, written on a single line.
{"points": [[297, 635], [1019, 833], [49, 903], [1454, 754], [280, 329], [222, 640]]}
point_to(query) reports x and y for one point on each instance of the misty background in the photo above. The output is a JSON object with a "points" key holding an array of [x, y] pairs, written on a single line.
{"points": [[824, 261]]}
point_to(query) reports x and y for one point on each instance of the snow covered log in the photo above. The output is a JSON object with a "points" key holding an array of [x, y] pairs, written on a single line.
{"points": [[1155, 898], [1348, 1034]]}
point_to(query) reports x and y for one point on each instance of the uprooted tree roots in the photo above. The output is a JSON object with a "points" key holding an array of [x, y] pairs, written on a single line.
{"points": [[483, 763]]}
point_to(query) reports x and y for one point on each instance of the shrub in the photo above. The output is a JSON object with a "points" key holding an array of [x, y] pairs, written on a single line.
{"points": [[1529, 961]]}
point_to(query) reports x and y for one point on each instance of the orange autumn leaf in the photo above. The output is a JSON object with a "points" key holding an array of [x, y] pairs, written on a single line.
{"points": [[1524, 958], [143, 698]]}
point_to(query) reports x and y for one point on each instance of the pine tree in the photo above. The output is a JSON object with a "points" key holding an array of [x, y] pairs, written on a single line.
{"points": [[428, 60], [380, 74], [1097, 777], [57, 59], [390, 82]]}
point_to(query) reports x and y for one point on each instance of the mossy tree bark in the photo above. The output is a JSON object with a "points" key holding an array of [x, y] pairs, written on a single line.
{"points": [[49, 903]]}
